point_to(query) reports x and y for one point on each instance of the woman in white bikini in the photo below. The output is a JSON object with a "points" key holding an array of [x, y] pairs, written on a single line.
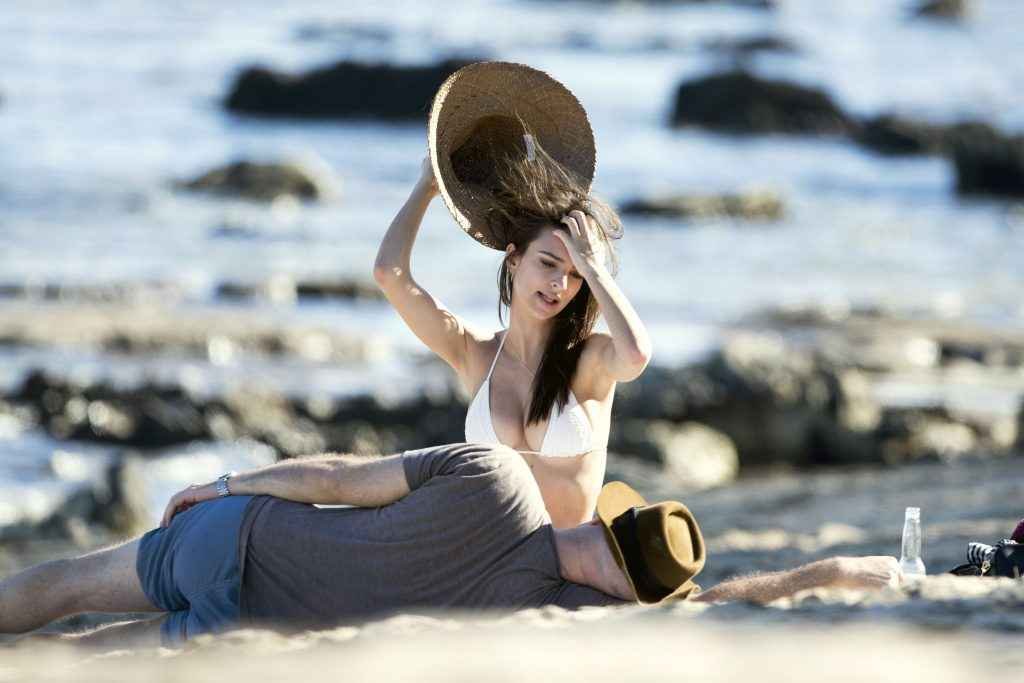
{"points": [[543, 386]]}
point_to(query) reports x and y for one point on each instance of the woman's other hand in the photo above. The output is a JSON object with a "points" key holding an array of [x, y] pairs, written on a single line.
{"points": [[584, 246], [428, 181], [183, 500]]}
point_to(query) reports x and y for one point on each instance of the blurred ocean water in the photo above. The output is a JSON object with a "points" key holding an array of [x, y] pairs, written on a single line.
{"points": [[105, 104]]}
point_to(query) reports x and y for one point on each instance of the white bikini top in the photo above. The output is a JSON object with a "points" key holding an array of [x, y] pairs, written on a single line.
{"points": [[569, 431]]}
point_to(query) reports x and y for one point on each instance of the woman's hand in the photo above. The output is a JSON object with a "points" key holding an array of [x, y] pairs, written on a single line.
{"points": [[584, 247], [183, 500], [427, 181]]}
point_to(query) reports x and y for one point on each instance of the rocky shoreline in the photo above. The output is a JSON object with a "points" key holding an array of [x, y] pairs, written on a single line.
{"points": [[792, 389]]}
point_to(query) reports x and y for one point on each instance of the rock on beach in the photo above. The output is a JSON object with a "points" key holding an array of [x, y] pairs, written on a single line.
{"points": [[811, 392], [156, 329], [286, 290], [755, 206], [343, 90], [266, 181], [943, 9], [691, 455], [740, 102], [755, 4], [892, 134], [749, 46], [988, 162]]}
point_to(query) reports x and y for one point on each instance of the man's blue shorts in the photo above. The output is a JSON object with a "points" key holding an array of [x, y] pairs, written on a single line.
{"points": [[190, 569]]}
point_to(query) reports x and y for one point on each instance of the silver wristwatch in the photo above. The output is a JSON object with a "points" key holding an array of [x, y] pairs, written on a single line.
{"points": [[222, 484]]}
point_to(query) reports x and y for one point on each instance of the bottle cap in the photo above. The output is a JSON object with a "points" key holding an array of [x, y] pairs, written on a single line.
{"points": [[913, 513]]}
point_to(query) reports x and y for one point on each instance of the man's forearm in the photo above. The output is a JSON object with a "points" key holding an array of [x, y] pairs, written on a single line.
{"points": [[763, 588], [328, 479]]}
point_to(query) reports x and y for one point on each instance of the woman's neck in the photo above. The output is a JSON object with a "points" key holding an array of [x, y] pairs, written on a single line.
{"points": [[526, 338]]}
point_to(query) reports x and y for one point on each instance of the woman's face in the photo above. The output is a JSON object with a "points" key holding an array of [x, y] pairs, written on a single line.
{"points": [[544, 279]]}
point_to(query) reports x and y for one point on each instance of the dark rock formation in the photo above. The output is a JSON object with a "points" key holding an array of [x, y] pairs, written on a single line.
{"points": [[739, 102], [810, 397], [895, 135], [310, 290], [943, 9], [261, 181], [144, 417], [341, 289], [344, 90], [121, 502], [214, 336], [988, 162], [749, 46], [749, 206], [776, 404], [755, 4], [923, 433], [104, 497], [692, 455], [150, 417], [1020, 428], [97, 293]]}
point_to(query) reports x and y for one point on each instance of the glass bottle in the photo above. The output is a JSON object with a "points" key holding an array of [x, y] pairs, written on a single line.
{"points": [[910, 557]]}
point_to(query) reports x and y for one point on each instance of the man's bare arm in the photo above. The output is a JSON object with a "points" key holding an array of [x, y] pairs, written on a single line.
{"points": [[862, 573], [325, 479], [328, 479]]}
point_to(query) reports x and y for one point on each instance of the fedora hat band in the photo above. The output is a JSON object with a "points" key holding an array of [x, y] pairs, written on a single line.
{"points": [[626, 531]]}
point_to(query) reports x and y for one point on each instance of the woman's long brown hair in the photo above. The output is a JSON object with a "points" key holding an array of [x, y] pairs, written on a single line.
{"points": [[531, 193]]}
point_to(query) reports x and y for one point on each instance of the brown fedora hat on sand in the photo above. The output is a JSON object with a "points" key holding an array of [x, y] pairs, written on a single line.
{"points": [[486, 108], [659, 547]]}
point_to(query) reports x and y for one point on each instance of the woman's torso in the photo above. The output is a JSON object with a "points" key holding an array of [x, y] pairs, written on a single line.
{"points": [[567, 451]]}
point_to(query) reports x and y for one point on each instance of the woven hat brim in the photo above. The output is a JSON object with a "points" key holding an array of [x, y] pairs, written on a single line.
{"points": [[551, 112]]}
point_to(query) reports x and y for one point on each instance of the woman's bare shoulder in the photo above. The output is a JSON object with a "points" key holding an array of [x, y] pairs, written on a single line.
{"points": [[481, 345]]}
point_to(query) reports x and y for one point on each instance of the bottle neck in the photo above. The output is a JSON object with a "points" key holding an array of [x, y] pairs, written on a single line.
{"points": [[911, 538]]}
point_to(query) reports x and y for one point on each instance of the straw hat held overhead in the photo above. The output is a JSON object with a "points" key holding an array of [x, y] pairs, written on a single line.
{"points": [[492, 108]]}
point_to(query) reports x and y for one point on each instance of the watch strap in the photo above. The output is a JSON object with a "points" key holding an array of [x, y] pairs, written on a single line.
{"points": [[222, 484]]}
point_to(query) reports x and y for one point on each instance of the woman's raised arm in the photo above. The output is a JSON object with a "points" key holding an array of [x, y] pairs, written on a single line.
{"points": [[442, 331], [625, 353]]}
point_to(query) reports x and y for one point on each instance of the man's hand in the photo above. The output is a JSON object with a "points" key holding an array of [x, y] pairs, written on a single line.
{"points": [[183, 500], [861, 573], [867, 573]]}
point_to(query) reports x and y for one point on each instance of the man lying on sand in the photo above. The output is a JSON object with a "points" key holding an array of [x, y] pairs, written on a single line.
{"points": [[452, 527]]}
